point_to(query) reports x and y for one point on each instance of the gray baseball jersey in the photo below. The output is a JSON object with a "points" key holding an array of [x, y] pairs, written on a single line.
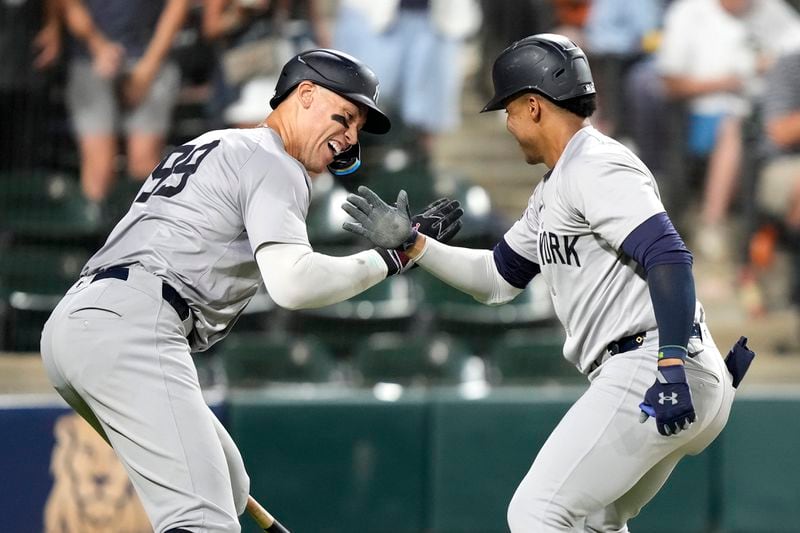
{"points": [[573, 228], [201, 215]]}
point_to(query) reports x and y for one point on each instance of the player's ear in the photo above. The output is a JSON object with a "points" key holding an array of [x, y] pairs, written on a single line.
{"points": [[306, 92], [534, 106]]}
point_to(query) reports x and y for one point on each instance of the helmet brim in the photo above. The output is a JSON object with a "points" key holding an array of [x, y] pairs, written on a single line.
{"points": [[377, 122], [495, 104]]}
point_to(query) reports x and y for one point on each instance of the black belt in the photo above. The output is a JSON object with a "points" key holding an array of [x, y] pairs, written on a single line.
{"points": [[626, 344], [169, 294], [633, 342]]}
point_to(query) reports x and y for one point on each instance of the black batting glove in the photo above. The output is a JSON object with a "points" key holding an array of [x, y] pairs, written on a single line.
{"points": [[669, 401], [441, 220]]}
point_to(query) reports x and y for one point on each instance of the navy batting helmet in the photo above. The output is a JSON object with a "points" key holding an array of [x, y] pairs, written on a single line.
{"points": [[546, 63], [339, 72]]}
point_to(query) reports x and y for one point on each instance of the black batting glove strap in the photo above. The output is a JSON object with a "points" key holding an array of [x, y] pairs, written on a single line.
{"points": [[669, 401], [397, 262]]}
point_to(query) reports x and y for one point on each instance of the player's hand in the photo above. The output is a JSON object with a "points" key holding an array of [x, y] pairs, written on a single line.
{"points": [[386, 226], [669, 401], [441, 220]]}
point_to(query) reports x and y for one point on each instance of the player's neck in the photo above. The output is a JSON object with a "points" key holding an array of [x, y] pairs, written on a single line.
{"points": [[275, 122], [560, 135]]}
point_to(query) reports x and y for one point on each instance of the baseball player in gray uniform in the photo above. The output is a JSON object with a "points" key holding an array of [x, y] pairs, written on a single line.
{"points": [[215, 217], [621, 282]]}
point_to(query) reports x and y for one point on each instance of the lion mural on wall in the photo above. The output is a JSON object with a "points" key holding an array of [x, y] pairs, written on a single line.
{"points": [[91, 491]]}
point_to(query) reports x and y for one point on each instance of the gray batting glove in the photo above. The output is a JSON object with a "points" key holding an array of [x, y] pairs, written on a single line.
{"points": [[386, 226]]}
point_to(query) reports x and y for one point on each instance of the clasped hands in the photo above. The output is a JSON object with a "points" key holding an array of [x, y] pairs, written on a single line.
{"points": [[393, 227]]}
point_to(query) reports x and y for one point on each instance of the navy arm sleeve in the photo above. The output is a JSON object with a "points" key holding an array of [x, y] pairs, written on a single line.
{"points": [[514, 268], [656, 245]]}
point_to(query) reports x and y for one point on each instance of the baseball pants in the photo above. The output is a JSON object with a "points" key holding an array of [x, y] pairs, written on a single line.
{"points": [[600, 465], [117, 352]]}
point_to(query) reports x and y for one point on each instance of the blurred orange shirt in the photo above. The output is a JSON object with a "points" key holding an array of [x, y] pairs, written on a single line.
{"points": [[571, 12]]}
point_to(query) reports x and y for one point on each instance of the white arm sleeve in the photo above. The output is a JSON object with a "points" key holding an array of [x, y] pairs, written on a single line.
{"points": [[296, 277], [468, 270]]}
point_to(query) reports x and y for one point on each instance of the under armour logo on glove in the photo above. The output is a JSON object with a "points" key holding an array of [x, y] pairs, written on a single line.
{"points": [[672, 398], [669, 401]]}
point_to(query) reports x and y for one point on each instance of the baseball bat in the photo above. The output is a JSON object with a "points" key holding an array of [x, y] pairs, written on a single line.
{"points": [[262, 517]]}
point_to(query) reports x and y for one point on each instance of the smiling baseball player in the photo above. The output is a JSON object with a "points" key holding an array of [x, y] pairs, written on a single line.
{"points": [[215, 217], [621, 282]]}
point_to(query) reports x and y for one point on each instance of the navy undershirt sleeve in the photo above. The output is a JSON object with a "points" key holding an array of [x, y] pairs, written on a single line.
{"points": [[656, 245], [514, 268], [656, 242]]}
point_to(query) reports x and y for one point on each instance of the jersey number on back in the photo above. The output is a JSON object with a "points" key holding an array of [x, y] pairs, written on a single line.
{"points": [[184, 160]]}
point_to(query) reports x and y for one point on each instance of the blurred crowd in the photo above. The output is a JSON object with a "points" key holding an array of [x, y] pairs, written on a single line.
{"points": [[706, 92]]}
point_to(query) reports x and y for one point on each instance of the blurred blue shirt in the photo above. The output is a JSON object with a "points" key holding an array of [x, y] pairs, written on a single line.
{"points": [[618, 26]]}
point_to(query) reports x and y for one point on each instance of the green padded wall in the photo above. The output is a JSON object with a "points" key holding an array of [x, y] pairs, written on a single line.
{"points": [[481, 450], [760, 489], [435, 462], [342, 463], [691, 484]]}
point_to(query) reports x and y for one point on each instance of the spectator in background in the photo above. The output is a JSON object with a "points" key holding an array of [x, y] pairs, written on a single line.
{"points": [[779, 183], [30, 41], [415, 48], [121, 81], [618, 35], [502, 26], [570, 19], [253, 39], [711, 57], [706, 58]]}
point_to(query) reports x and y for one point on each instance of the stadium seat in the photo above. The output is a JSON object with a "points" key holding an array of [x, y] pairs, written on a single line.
{"points": [[459, 314], [396, 161], [325, 217], [411, 360], [47, 206], [389, 306], [415, 178], [32, 281], [119, 201], [530, 357], [255, 360], [482, 226], [262, 315]]}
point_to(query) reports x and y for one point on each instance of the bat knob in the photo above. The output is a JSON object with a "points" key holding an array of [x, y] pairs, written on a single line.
{"points": [[277, 527]]}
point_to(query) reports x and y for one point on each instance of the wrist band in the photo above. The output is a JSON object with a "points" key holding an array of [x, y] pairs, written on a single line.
{"points": [[672, 351]]}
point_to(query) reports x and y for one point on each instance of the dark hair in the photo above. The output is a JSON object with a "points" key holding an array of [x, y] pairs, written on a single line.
{"points": [[583, 106]]}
